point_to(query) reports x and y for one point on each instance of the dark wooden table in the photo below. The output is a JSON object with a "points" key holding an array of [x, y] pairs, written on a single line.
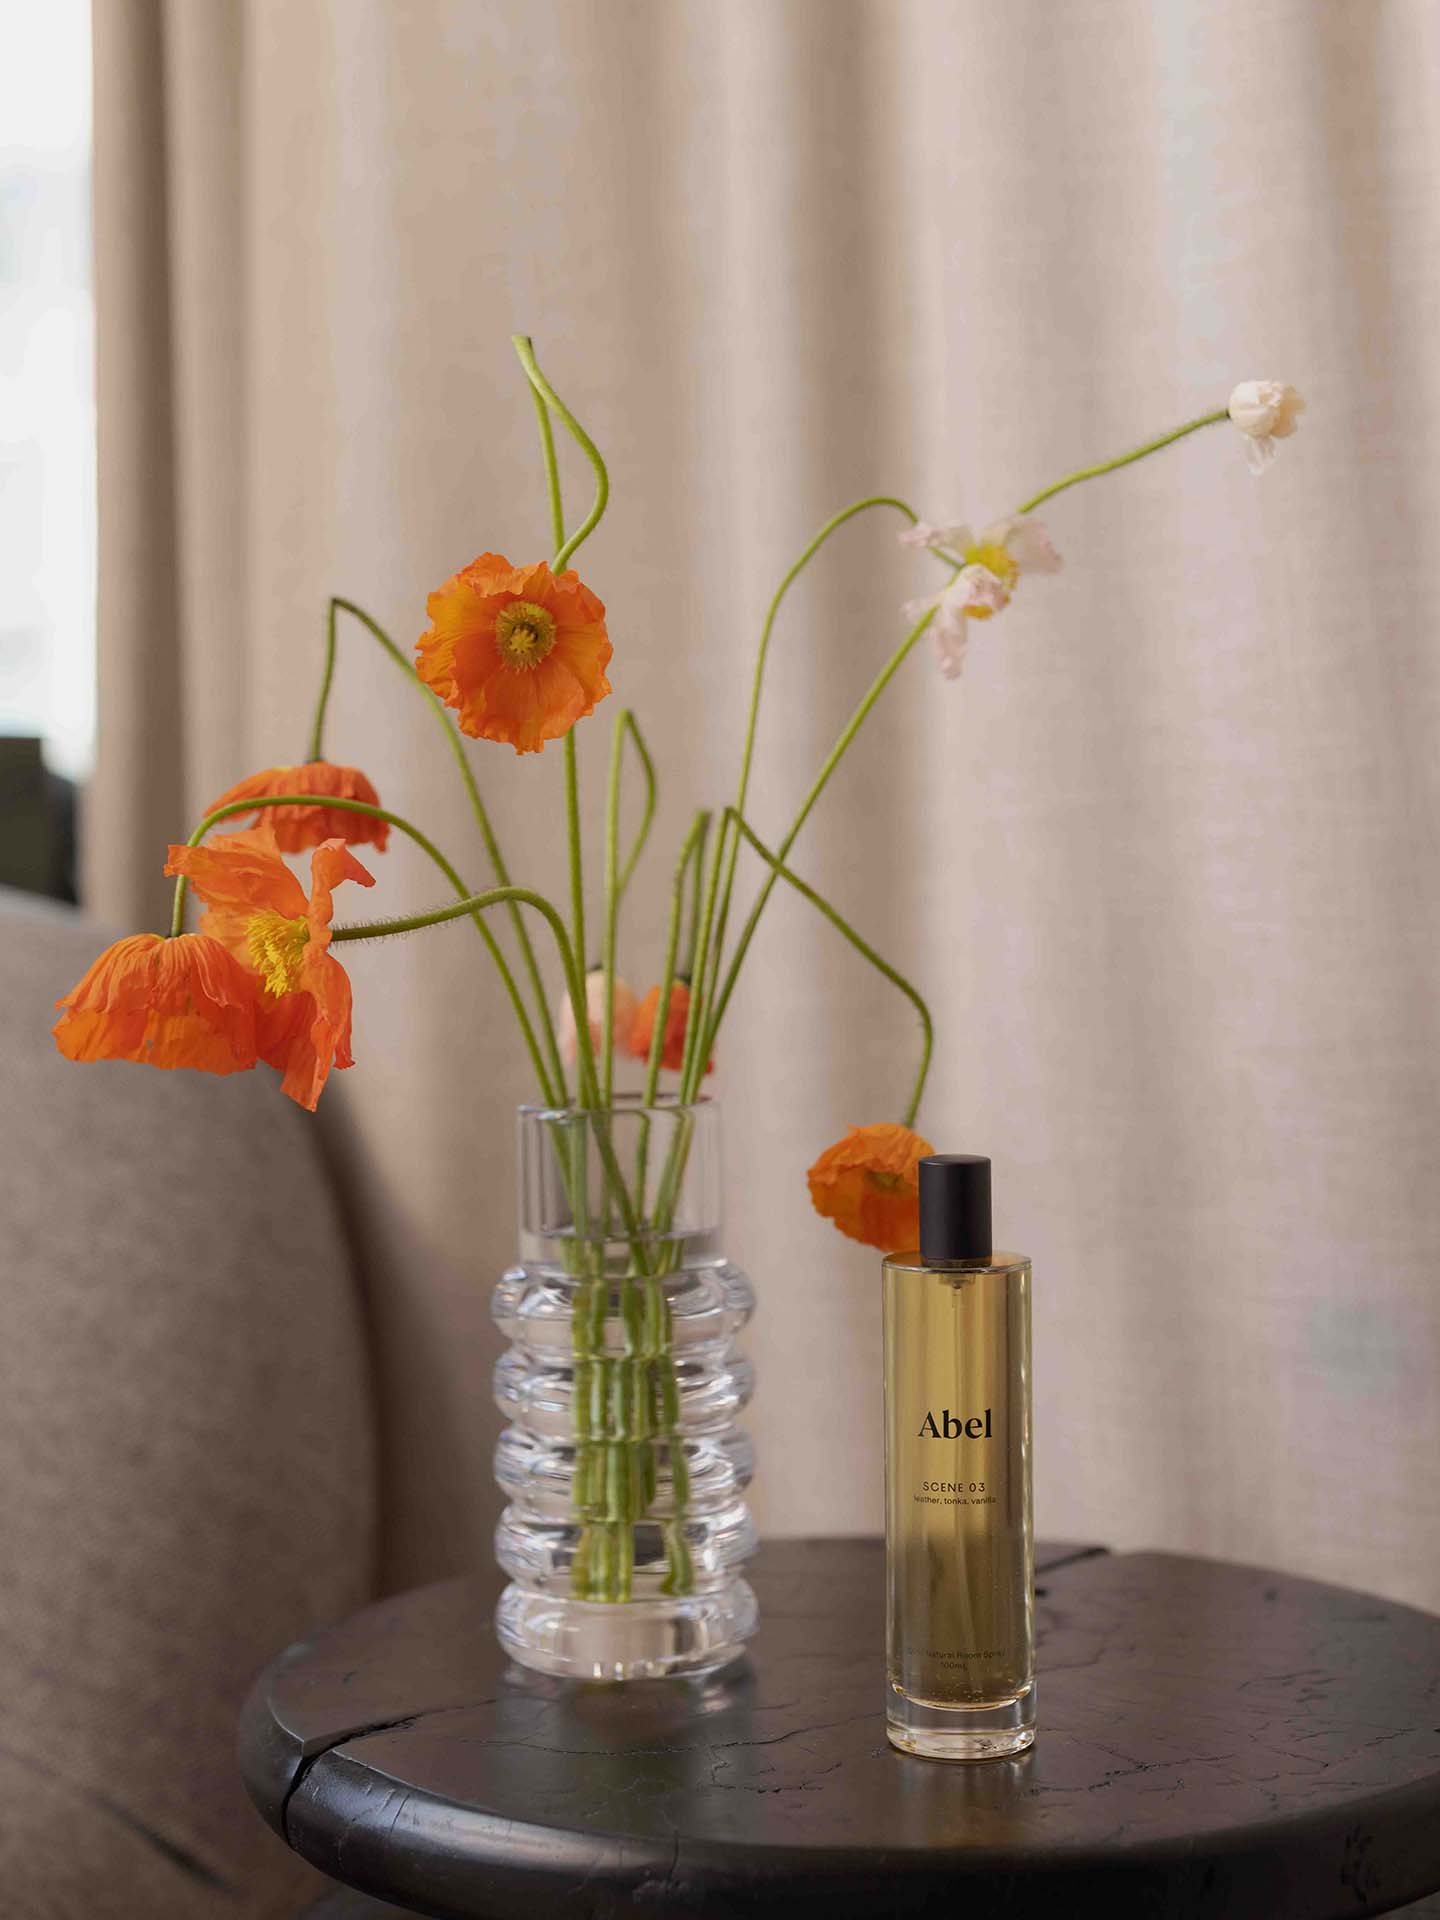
{"points": [[1214, 1740]]}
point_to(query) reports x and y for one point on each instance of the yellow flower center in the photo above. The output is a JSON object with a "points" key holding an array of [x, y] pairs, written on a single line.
{"points": [[991, 555], [277, 948], [524, 633], [886, 1182]]}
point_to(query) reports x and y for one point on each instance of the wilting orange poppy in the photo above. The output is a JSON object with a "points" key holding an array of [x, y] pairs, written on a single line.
{"points": [[184, 1002], [519, 652], [869, 1185], [258, 910], [677, 1021], [296, 828]]}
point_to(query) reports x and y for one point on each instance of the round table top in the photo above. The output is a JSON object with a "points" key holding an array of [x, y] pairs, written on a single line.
{"points": [[1214, 1740]]}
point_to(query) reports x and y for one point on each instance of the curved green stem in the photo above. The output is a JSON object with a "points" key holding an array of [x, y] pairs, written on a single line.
{"points": [[476, 903], [702, 1052], [690, 1074], [862, 947], [612, 916], [617, 878], [647, 810], [477, 804], [577, 852], [552, 470], [711, 960], [692, 914], [327, 678], [690, 853], [525, 352], [1123, 460], [831, 526], [699, 1046], [706, 967], [545, 397], [427, 846]]}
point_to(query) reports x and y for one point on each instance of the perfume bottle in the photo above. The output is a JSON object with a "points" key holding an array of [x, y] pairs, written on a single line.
{"points": [[959, 1545]]}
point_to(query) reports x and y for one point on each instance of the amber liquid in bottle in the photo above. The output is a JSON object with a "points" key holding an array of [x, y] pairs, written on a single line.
{"points": [[958, 1527]]}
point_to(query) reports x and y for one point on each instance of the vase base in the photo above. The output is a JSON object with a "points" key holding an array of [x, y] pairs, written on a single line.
{"points": [[696, 1633]]}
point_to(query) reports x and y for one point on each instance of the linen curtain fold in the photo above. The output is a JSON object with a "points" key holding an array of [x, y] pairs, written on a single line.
{"points": [[1164, 857]]}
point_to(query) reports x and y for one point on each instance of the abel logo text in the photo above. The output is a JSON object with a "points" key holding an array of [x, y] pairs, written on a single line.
{"points": [[951, 1427]]}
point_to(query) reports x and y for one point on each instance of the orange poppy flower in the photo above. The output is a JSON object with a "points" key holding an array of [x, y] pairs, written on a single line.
{"points": [[296, 828], [519, 652], [185, 1002], [869, 1185], [676, 1023], [258, 910]]}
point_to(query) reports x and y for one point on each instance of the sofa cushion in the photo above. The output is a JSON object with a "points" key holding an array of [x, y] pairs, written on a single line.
{"points": [[187, 1435]]}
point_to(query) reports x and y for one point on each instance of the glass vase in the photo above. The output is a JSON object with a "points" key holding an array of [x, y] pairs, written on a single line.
{"points": [[625, 1471]]}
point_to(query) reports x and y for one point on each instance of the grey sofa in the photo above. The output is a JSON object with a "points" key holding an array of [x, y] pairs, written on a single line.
{"points": [[186, 1481]]}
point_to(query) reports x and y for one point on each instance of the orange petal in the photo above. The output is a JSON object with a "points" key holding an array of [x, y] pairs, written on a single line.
{"points": [[297, 828], [184, 1002], [677, 1023], [329, 865], [868, 1184], [307, 1033], [525, 709], [238, 871]]}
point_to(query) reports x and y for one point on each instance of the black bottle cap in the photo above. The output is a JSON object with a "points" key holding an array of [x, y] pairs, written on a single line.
{"points": [[955, 1207]]}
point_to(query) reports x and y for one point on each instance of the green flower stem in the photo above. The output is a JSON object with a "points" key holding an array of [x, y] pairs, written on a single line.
{"points": [[468, 903], [610, 1554], [631, 725], [705, 971], [552, 469], [695, 1016], [662, 1386], [690, 854], [1124, 459], [704, 968], [830, 527], [478, 903], [863, 948], [327, 680], [577, 861], [477, 807], [612, 920], [692, 916], [547, 400], [525, 352], [701, 1053], [690, 857], [710, 1006], [617, 877]]}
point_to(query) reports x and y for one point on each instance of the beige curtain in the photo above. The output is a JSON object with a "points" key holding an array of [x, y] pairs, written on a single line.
{"points": [[1165, 858]]}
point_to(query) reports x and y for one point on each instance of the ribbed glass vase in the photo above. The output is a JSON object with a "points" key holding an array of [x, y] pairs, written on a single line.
{"points": [[624, 1467]]}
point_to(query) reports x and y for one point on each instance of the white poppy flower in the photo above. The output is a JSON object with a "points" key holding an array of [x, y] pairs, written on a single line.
{"points": [[983, 586], [1265, 411]]}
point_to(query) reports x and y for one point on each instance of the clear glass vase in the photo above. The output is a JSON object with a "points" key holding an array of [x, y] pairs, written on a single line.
{"points": [[627, 1528]]}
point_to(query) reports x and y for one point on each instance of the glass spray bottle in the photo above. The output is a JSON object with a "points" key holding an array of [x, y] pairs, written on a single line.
{"points": [[959, 1544]]}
